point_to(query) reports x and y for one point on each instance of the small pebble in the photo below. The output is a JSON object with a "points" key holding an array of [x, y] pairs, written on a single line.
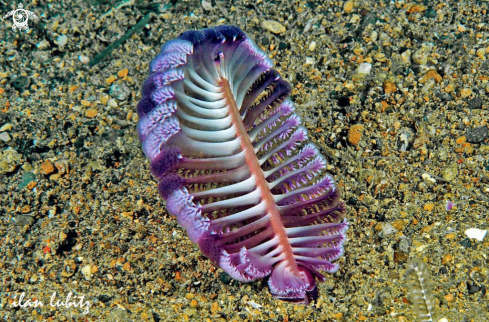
{"points": [[119, 91], [348, 6], [420, 57], [83, 59], [126, 266], [123, 73], [373, 35], [111, 79], [129, 116], [481, 53], [446, 259], [215, 308], [450, 236], [5, 137], [23, 220], [404, 244], [389, 87], [388, 229], [428, 178], [91, 113], [207, 5], [364, 68], [225, 278], [449, 88], [85, 103], [449, 297], [282, 46], [474, 103], [431, 74], [87, 272], [355, 18], [41, 56], [62, 236], [310, 61], [465, 92], [112, 103], [450, 172], [62, 40], [415, 8], [6, 127], [472, 288], [43, 45], [27, 178], [477, 135], [476, 233], [273, 26], [355, 134], [254, 305], [312, 46], [309, 25], [406, 56], [104, 100], [47, 167]]}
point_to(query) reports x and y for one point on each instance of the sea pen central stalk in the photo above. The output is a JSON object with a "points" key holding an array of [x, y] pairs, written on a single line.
{"points": [[261, 182]]}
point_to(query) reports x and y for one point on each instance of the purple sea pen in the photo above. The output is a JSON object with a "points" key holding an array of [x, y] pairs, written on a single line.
{"points": [[233, 164]]}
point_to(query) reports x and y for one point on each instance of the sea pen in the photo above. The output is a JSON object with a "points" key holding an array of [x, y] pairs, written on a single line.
{"points": [[234, 165], [418, 281]]}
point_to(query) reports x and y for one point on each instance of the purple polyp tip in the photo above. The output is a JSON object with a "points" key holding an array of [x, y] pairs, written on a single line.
{"points": [[287, 286], [165, 161], [145, 105], [233, 164], [169, 183]]}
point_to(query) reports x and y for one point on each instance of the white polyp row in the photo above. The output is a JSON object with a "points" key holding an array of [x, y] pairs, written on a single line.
{"points": [[277, 134], [315, 165], [323, 185], [209, 136], [235, 234], [256, 210], [286, 147], [246, 185], [305, 154], [273, 117], [191, 74]]}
